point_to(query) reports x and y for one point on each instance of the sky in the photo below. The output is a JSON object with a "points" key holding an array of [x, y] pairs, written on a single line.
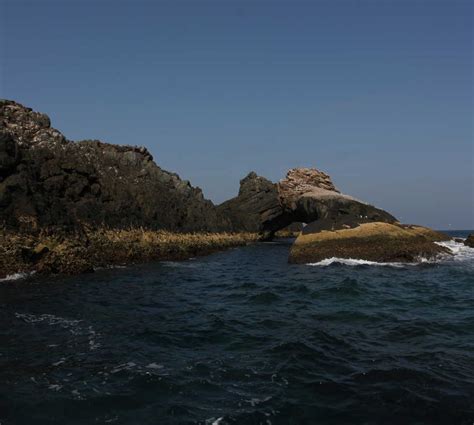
{"points": [[377, 93]]}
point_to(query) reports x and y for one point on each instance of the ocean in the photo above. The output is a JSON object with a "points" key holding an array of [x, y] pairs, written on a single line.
{"points": [[242, 337]]}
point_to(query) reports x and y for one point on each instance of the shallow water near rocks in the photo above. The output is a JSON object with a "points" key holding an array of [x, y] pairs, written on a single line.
{"points": [[242, 337]]}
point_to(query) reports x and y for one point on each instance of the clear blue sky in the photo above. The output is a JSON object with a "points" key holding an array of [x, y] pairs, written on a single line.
{"points": [[377, 93]]}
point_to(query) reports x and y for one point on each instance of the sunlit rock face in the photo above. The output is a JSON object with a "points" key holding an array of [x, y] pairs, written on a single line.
{"points": [[48, 180], [375, 241], [304, 195]]}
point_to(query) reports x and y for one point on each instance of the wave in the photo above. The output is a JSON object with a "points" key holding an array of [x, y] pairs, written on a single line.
{"points": [[358, 262], [74, 326], [460, 251], [189, 263], [16, 276]]}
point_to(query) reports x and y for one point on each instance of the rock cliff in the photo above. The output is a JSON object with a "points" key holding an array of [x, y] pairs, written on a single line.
{"points": [[48, 180]]}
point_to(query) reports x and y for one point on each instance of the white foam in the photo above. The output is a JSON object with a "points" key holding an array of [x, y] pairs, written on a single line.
{"points": [[123, 366], [110, 267], [460, 252], [183, 264], [357, 262], [16, 276], [154, 366], [49, 318], [254, 401], [72, 325]]}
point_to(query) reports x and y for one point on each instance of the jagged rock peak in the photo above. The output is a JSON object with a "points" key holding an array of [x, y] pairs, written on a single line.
{"points": [[302, 180], [28, 128], [252, 182]]}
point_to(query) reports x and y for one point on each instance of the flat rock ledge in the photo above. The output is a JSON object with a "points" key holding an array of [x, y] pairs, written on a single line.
{"points": [[377, 241], [55, 251]]}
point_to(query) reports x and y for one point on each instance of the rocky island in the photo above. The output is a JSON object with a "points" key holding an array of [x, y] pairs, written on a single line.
{"points": [[70, 207]]}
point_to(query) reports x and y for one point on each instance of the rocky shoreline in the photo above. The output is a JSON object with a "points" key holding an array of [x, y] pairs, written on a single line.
{"points": [[53, 251], [71, 207]]}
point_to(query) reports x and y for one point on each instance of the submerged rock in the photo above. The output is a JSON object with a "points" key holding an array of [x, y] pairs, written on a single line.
{"points": [[376, 241], [470, 241]]}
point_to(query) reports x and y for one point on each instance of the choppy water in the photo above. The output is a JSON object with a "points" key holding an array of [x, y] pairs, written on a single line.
{"points": [[242, 337]]}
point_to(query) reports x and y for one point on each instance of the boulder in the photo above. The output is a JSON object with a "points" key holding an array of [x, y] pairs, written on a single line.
{"points": [[375, 241], [469, 241]]}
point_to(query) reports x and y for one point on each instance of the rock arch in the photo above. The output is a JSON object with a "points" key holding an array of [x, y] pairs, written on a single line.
{"points": [[304, 195]]}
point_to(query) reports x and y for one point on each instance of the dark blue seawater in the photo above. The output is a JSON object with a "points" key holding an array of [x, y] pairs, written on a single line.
{"points": [[241, 337]]}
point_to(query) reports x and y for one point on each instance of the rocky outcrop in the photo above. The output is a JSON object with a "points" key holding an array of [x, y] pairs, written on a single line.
{"points": [[377, 241], [305, 195], [48, 180], [469, 241], [256, 204]]}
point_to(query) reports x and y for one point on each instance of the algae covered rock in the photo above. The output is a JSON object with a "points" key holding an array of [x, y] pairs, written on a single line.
{"points": [[376, 241]]}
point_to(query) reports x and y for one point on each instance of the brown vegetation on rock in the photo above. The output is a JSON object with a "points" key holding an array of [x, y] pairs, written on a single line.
{"points": [[53, 251], [380, 242]]}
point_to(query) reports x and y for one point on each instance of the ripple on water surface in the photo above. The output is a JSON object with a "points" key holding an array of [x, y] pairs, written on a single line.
{"points": [[242, 337]]}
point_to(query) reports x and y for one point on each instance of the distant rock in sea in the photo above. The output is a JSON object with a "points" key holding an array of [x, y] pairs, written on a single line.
{"points": [[470, 241]]}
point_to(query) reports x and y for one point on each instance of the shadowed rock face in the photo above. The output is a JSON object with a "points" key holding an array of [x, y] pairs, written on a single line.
{"points": [[9, 154], [305, 195], [257, 203], [46, 180], [470, 241]]}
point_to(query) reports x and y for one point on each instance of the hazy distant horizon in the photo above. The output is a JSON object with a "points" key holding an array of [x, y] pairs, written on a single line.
{"points": [[376, 94]]}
